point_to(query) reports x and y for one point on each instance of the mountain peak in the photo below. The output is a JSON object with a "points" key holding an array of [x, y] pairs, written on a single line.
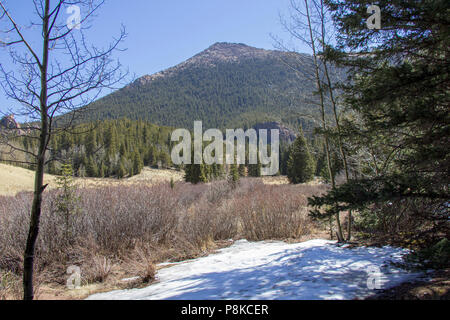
{"points": [[228, 46], [219, 52], [226, 52], [227, 85]]}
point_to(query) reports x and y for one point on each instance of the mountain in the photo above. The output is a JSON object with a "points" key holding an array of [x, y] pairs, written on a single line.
{"points": [[226, 86]]}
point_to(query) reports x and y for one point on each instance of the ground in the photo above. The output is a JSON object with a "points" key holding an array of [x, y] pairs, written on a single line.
{"points": [[15, 179], [437, 288], [315, 269], [288, 282]]}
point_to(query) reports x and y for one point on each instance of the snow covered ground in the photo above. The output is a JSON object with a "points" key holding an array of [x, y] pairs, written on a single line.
{"points": [[316, 269]]}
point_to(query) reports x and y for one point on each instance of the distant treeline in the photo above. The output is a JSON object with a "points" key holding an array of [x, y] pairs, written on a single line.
{"points": [[121, 148], [110, 148]]}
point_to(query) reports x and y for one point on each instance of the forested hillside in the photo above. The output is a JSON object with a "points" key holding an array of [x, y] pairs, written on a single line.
{"points": [[110, 148], [225, 86]]}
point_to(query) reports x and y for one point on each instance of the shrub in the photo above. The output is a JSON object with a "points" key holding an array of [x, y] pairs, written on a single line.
{"points": [[435, 257], [273, 212], [135, 226], [414, 223]]}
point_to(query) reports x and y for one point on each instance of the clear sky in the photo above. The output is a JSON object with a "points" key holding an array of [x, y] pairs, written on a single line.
{"points": [[163, 33]]}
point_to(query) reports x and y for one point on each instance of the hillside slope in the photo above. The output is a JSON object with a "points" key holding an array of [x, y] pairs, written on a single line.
{"points": [[227, 85]]}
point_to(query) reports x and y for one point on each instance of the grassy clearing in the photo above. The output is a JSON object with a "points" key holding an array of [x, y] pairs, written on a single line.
{"points": [[15, 179]]}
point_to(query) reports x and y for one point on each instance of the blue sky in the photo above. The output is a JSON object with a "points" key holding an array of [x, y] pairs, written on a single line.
{"points": [[163, 33]]}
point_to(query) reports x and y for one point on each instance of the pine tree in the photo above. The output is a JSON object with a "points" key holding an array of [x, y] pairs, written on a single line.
{"points": [[300, 166], [242, 170], [233, 175], [137, 163], [67, 201], [91, 142], [398, 98], [103, 171], [121, 170], [91, 168], [254, 170], [195, 173]]}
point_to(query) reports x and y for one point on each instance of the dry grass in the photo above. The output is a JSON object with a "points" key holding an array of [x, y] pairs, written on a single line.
{"points": [[15, 179], [277, 180], [123, 230]]}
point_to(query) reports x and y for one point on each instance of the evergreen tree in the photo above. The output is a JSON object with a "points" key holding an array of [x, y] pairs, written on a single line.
{"points": [[242, 170], [398, 98], [195, 173], [121, 170], [91, 168], [103, 171], [104, 144], [254, 170], [233, 175], [284, 157], [67, 201], [300, 166], [137, 163]]}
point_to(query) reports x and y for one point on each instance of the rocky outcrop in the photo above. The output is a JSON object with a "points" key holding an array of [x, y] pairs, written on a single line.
{"points": [[8, 122], [286, 134]]}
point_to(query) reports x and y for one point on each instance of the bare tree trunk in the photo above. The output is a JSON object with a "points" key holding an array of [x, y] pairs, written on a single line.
{"points": [[324, 124], [28, 270], [64, 89], [336, 118], [28, 267], [341, 148]]}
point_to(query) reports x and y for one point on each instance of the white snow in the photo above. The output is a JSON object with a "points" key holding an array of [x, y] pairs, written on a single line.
{"points": [[316, 269]]}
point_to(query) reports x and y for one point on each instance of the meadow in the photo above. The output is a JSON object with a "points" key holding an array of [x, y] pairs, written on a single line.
{"points": [[123, 230]]}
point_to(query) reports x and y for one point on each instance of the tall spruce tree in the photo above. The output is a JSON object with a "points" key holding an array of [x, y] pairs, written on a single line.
{"points": [[195, 173], [300, 165], [138, 164], [66, 202], [233, 175], [398, 95]]}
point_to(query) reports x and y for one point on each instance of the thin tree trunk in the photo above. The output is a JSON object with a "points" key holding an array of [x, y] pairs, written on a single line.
{"points": [[28, 266], [336, 118], [324, 125]]}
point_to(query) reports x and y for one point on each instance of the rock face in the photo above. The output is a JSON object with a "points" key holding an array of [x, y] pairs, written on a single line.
{"points": [[228, 52], [8, 122], [286, 134]]}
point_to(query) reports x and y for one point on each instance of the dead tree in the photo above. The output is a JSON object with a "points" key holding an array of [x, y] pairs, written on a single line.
{"points": [[55, 72]]}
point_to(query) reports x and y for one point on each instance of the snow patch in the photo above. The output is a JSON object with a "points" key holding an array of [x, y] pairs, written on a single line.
{"points": [[316, 269]]}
